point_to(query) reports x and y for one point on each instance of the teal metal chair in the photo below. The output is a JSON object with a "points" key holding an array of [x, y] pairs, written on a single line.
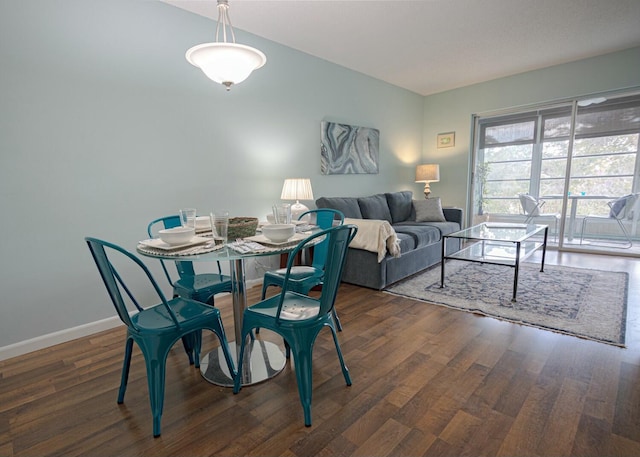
{"points": [[299, 318], [201, 287], [155, 328], [308, 276]]}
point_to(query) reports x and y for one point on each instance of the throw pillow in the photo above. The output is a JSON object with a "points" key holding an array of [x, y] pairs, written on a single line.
{"points": [[429, 210], [375, 207]]}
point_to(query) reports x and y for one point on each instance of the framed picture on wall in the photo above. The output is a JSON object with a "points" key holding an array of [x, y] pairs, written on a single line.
{"points": [[347, 149], [446, 140]]}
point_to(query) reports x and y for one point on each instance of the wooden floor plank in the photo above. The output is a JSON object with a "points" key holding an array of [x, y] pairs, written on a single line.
{"points": [[427, 380]]}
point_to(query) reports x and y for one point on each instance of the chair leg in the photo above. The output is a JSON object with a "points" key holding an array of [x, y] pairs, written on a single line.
{"points": [[345, 370], [336, 319], [265, 286], [584, 224], [626, 234], [125, 370], [225, 350], [237, 379], [304, 375], [197, 345], [620, 223], [155, 359], [188, 343]]}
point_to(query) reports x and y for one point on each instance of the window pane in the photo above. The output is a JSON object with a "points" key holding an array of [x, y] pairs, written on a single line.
{"points": [[553, 168], [555, 149], [501, 206], [602, 186], [609, 165], [506, 188], [606, 145], [509, 170], [503, 153]]}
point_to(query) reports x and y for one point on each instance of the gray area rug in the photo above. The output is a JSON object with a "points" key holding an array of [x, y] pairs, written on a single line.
{"points": [[590, 304]]}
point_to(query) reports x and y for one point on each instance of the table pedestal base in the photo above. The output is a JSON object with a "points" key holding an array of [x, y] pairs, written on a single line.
{"points": [[262, 360]]}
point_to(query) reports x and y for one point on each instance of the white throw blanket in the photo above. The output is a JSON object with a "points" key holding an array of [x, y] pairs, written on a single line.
{"points": [[375, 236]]}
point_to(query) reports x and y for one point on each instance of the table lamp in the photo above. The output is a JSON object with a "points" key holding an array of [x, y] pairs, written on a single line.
{"points": [[428, 173], [297, 189]]}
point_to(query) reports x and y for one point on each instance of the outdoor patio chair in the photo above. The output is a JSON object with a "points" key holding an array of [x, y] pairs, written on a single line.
{"points": [[532, 209], [622, 209]]}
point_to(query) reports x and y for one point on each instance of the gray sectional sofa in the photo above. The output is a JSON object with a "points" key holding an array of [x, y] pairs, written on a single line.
{"points": [[420, 242]]}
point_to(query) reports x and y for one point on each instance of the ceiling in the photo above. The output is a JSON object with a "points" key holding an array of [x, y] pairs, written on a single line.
{"points": [[431, 46]]}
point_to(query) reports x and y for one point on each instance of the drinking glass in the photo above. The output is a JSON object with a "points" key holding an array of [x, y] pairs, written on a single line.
{"points": [[282, 213], [220, 225], [188, 217]]}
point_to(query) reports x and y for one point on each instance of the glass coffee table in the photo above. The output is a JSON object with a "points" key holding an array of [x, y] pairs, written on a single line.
{"points": [[498, 244]]}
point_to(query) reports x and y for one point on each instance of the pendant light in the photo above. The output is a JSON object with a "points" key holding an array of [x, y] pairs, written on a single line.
{"points": [[223, 62]]}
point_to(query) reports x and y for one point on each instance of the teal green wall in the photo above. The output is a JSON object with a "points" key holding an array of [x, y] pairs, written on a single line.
{"points": [[105, 126], [453, 110]]}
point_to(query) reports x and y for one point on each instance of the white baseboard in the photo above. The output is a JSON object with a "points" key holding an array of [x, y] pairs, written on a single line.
{"points": [[63, 336]]}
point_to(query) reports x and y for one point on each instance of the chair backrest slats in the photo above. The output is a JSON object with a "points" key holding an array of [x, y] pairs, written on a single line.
{"points": [[339, 240], [324, 218], [113, 280], [167, 222]]}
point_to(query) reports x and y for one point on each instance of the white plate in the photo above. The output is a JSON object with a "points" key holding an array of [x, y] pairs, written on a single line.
{"points": [[159, 244], [264, 240]]}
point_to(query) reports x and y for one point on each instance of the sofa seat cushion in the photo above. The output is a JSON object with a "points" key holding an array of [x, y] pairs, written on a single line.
{"points": [[347, 205], [423, 235], [445, 228], [375, 207], [407, 242]]}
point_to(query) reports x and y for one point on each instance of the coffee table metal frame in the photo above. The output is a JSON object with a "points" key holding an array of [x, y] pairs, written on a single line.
{"points": [[498, 244]]}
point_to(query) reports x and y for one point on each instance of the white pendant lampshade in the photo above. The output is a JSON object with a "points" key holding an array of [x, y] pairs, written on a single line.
{"points": [[222, 62], [297, 189]]}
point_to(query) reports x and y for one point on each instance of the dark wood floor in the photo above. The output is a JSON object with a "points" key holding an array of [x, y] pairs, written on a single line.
{"points": [[426, 381]]}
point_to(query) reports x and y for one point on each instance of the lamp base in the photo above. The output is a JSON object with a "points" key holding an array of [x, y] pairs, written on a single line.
{"points": [[297, 209], [427, 190]]}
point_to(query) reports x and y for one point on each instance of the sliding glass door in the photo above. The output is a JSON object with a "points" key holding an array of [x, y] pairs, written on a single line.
{"points": [[574, 160]]}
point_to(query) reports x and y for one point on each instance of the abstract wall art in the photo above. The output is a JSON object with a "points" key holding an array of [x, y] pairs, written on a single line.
{"points": [[347, 149]]}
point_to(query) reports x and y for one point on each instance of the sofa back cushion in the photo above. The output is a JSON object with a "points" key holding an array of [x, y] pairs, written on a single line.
{"points": [[400, 205], [347, 205], [375, 207]]}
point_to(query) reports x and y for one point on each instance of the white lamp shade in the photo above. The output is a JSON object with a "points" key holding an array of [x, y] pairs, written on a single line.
{"points": [[297, 189], [226, 63], [428, 173]]}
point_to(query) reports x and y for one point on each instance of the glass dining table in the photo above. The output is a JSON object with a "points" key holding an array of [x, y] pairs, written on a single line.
{"points": [[265, 358]]}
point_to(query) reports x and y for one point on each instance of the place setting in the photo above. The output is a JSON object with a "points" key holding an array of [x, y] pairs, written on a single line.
{"points": [[203, 234], [279, 232], [194, 236]]}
